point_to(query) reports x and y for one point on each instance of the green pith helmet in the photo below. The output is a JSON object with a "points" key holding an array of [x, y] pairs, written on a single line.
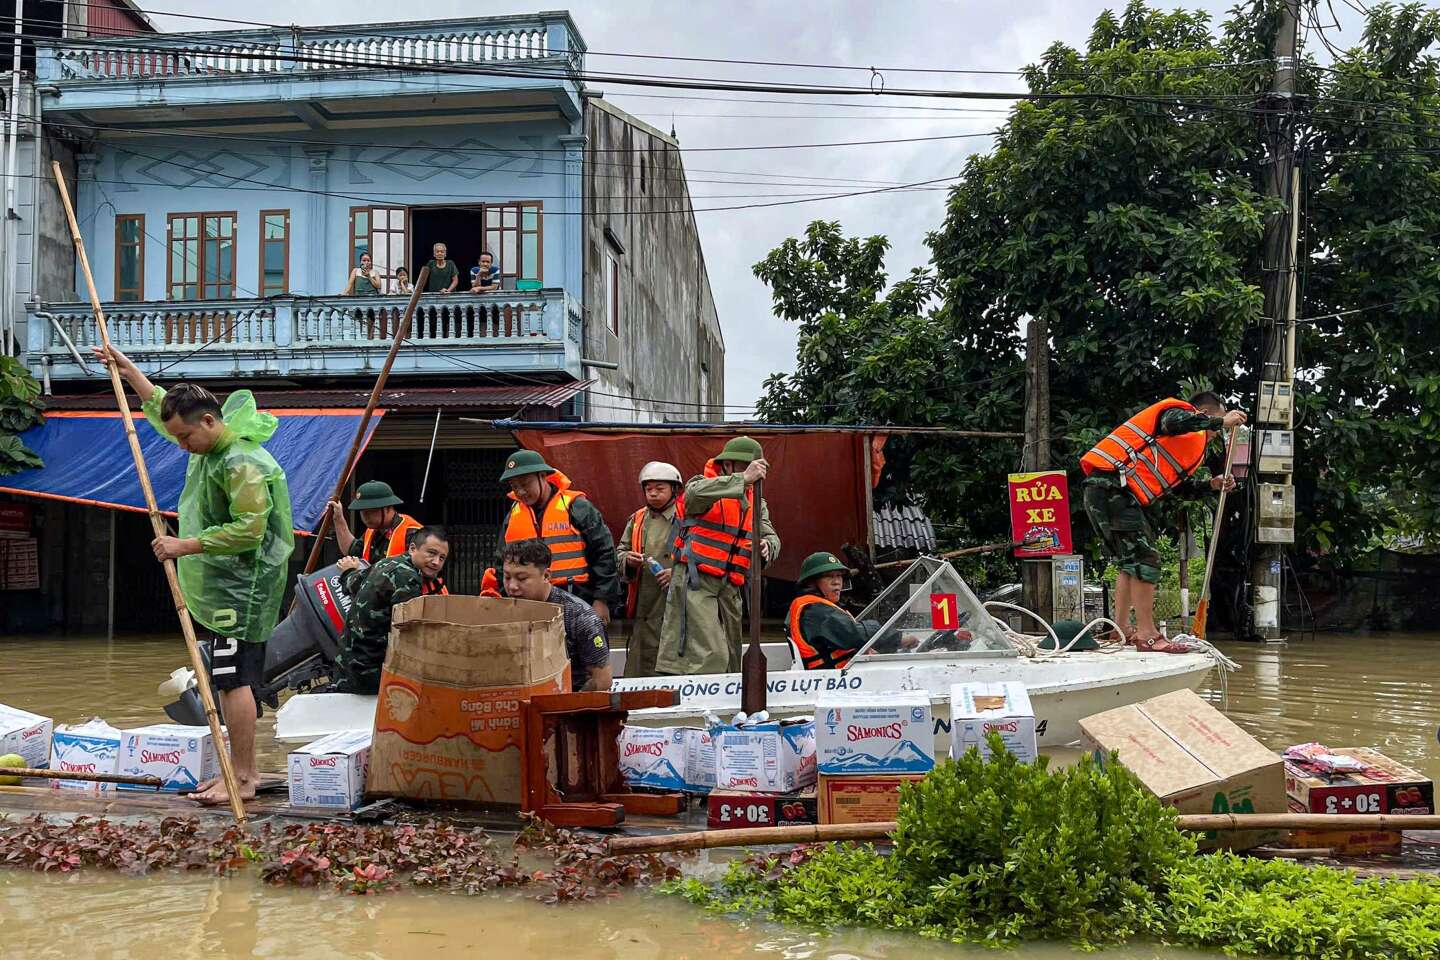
{"points": [[1066, 630], [818, 563], [374, 495], [741, 450], [522, 462]]}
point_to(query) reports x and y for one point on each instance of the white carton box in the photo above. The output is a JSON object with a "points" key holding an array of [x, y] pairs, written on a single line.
{"points": [[331, 771], [91, 747], [25, 733], [976, 709], [179, 755], [875, 732], [773, 757], [667, 758]]}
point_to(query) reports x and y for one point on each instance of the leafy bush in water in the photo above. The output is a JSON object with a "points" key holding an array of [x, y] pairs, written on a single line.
{"points": [[1272, 907], [20, 409]]}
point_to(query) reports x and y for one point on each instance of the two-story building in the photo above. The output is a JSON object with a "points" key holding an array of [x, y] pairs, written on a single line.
{"points": [[227, 183]]}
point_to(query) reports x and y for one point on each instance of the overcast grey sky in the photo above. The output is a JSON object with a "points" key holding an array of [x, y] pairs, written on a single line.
{"points": [[954, 35]]}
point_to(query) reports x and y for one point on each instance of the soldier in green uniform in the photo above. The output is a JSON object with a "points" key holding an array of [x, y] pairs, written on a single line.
{"points": [[701, 632], [377, 589], [649, 538]]}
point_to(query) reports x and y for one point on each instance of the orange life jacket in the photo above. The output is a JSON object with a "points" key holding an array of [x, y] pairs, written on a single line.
{"points": [[489, 583], [437, 585], [718, 541], [567, 548], [637, 544], [812, 658], [396, 544], [1149, 465]]}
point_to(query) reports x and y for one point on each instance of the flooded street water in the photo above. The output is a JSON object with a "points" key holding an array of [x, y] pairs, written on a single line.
{"points": [[1379, 691]]}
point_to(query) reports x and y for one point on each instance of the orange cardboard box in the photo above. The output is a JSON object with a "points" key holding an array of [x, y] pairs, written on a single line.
{"points": [[861, 798], [1349, 843], [1195, 759], [447, 724]]}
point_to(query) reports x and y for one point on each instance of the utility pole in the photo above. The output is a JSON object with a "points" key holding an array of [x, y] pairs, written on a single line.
{"points": [[1272, 441], [1035, 576]]}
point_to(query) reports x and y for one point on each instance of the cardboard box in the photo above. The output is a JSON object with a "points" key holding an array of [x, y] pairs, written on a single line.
{"points": [[735, 810], [92, 747], [331, 771], [447, 724], [1194, 759], [25, 733], [667, 758], [862, 799], [977, 709], [181, 756], [774, 757], [1345, 843], [1384, 786], [874, 733]]}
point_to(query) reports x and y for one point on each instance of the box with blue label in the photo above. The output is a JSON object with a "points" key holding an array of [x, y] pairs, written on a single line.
{"points": [[331, 771], [667, 758], [980, 709], [181, 756], [91, 747], [874, 733], [770, 757]]}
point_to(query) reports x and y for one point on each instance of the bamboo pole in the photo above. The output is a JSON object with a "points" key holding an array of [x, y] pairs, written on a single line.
{"points": [[401, 332], [1202, 610], [949, 555], [34, 772], [835, 832], [157, 522]]}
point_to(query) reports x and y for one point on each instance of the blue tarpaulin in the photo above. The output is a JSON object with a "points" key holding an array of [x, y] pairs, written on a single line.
{"points": [[87, 460]]}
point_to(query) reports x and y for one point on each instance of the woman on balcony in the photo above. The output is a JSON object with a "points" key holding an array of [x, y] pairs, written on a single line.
{"points": [[364, 279]]}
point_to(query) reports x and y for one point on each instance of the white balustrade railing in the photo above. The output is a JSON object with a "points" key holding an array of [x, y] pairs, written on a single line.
{"points": [[238, 53], [438, 319], [151, 327]]}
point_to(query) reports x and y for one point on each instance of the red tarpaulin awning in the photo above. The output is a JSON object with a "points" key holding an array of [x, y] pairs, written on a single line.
{"points": [[817, 490]]}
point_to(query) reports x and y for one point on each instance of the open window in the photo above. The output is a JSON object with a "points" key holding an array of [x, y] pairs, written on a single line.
{"points": [[513, 234]]}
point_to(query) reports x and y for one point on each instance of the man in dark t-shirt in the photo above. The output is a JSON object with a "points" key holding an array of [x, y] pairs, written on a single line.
{"points": [[444, 275], [527, 577]]}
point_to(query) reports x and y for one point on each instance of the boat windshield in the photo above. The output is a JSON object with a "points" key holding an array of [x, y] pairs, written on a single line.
{"points": [[931, 610]]}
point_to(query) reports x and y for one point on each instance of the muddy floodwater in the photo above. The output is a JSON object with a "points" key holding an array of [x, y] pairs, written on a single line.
{"points": [[1380, 690]]}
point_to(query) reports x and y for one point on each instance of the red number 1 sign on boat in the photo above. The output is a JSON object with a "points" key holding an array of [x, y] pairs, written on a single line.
{"points": [[1040, 513]]}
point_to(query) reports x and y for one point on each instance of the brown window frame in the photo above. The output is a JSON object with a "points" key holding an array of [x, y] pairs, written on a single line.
{"points": [[386, 276], [354, 240], [285, 283], [139, 247], [199, 239], [509, 271]]}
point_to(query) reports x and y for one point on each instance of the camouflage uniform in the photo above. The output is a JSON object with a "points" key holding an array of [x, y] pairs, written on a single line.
{"points": [[376, 589], [1121, 523]]}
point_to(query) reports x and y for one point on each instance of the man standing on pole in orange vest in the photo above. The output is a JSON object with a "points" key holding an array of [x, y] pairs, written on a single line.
{"points": [[547, 508], [718, 519], [647, 552], [1154, 453], [386, 529]]}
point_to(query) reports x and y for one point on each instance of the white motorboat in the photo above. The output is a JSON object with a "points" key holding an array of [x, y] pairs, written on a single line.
{"points": [[920, 644]]}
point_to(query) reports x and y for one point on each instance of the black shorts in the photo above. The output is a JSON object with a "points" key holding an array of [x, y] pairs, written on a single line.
{"points": [[235, 663]]}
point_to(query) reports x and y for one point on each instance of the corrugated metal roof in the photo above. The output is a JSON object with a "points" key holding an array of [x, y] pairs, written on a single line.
{"points": [[450, 398], [903, 527]]}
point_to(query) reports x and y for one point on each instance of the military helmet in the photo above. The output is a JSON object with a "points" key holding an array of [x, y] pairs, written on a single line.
{"points": [[374, 495], [521, 462], [818, 563], [741, 450]]}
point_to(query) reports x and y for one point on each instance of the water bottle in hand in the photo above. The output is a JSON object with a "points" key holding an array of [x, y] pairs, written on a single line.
{"points": [[656, 567]]}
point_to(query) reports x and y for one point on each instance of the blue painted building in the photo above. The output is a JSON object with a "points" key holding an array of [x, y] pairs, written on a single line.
{"points": [[227, 184]]}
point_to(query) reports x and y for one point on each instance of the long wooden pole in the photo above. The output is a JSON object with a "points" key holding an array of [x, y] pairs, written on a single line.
{"points": [[33, 772], [157, 522], [836, 832], [1202, 610], [753, 680], [401, 332]]}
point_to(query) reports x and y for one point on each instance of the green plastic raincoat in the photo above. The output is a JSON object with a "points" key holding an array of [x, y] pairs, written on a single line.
{"points": [[237, 504]]}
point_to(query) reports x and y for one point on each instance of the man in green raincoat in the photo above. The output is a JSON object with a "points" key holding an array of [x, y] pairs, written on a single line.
{"points": [[718, 518], [234, 544]]}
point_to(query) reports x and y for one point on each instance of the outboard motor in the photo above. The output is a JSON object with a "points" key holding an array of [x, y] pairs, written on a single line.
{"points": [[301, 652]]}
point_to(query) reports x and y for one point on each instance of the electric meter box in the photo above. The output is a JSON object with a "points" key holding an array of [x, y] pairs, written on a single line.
{"points": [[1277, 451], [1067, 588], [1276, 403], [1275, 513]]}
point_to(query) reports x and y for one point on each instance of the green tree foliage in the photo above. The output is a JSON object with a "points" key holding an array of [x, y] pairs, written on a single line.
{"points": [[20, 409], [1134, 223]]}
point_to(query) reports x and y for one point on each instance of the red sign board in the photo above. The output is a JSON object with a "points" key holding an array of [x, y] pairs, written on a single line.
{"points": [[14, 519], [944, 611], [1040, 514]]}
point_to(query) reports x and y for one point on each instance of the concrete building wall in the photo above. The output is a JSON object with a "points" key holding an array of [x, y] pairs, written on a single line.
{"points": [[668, 346]]}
